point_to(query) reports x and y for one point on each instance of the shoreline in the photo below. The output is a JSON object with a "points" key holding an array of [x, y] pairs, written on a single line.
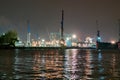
{"points": [[58, 48]]}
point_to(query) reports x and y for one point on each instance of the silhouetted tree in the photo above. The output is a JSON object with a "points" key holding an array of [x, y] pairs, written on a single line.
{"points": [[9, 38]]}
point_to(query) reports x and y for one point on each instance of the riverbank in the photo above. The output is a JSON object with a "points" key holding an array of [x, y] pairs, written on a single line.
{"points": [[47, 47], [54, 48]]}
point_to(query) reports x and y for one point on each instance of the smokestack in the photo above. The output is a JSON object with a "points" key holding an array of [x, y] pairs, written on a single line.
{"points": [[62, 22]]}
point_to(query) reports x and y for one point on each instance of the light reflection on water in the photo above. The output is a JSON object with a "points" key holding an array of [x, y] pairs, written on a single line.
{"points": [[70, 64], [39, 65]]}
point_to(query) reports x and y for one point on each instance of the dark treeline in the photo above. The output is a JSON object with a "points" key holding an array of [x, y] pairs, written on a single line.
{"points": [[9, 38]]}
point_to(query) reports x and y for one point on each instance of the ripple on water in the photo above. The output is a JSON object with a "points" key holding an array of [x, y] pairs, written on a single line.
{"points": [[72, 64]]}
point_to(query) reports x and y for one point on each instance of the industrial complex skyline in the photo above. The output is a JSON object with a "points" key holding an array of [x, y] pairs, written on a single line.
{"points": [[45, 16]]}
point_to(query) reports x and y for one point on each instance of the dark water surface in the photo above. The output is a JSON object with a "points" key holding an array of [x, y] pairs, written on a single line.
{"points": [[53, 64]]}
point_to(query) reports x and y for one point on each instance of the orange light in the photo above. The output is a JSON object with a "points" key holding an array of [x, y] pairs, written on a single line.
{"points": [[113, 42]]}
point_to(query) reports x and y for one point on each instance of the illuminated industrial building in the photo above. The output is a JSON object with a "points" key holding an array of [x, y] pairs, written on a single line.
{"points": [[55, 39]]}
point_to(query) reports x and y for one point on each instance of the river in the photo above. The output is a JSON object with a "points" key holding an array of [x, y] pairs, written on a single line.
{"points": [[56, 64]]}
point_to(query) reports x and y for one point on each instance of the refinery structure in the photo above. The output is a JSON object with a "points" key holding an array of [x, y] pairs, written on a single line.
{"points": [[62, 39], [70, 40], [58, 39]]}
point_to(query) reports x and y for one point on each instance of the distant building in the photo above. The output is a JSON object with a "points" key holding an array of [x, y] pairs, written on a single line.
{"points": [[19, 44], [55, 39]]}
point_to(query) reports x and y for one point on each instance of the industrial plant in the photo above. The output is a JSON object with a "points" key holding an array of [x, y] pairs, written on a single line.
{"points": [[56, 39], [62, 39]]}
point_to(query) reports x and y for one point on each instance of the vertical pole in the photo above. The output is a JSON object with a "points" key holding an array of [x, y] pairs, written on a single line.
{"points": [[62, 42], [28, 33], [119, 29], [62, 22], [28, 26]]}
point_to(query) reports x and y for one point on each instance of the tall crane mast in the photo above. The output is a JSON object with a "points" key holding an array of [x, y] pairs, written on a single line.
{"points": [[62, 22]]}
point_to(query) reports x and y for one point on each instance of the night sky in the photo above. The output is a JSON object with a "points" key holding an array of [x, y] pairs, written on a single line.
{"points": [[45, 16]]}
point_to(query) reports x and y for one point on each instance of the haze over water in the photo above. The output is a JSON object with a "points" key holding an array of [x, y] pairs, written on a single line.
{"points": [[54, 64]]}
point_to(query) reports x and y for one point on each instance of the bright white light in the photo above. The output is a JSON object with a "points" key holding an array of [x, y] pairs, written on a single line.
{"points": [[99, 38], [43, 40], [112, 42], [89, 39], [57, 42], [67, 38], [74, 36]]}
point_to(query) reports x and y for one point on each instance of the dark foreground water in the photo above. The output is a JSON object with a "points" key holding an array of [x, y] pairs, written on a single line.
{"points": [[53, 64]]}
